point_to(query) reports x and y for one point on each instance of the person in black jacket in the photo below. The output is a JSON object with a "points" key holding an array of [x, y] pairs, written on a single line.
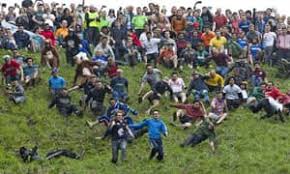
{"points": [[22, 38], [96, 97], [71, 44], [198, 88], [155, 94], [62, 101], [120, 132]]}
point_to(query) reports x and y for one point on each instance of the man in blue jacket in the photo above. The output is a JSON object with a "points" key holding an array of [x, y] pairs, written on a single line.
{"points": [[156, 127], [22, 38], [198, 88], [115, 106]]}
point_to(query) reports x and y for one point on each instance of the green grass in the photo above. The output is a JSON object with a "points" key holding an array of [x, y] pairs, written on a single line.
{"points": [[246, 144]]}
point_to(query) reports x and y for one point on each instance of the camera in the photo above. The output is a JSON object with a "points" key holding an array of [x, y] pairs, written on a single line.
{"points": [[28, 155]]}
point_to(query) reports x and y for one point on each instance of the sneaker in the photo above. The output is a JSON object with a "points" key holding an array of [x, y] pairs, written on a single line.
{"points": [[90, 124]]}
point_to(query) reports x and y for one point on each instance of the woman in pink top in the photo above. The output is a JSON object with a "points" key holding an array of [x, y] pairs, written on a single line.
{"points": [[218, 108]]}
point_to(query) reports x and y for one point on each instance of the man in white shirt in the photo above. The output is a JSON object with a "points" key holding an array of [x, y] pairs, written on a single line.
{"points": [[151, 48], [177, 85], [268, 44], [270, 106], [233, 94]]}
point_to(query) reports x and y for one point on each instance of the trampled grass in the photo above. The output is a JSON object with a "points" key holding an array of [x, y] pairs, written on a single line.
{"points": [[246, 144]]}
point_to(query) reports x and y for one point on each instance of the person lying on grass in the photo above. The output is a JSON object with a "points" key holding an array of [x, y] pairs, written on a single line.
{"points": [[204, 131]]}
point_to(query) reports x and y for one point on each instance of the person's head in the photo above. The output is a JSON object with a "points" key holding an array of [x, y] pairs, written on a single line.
{"points": [[119, 72], [104, 40], [119, 115], [206, 29], [149, 69], [93, 9], [167, 34], [270, 85], [255, 41], [139, 11], [112, 101], [40, 8], [20, 28], [196, 104], [98, 84], [219, 95], [15, 53], [64, 23], [267, 28], [29, 61], [244, 85], [218, 34], [179, 13], [155, 114], [174, 76], [218, 11], [212, 73], [257, 66], [232, 81], [263, 85], [252, 27], [47, 43], [215, 51], [149, 35], [7, 59]]}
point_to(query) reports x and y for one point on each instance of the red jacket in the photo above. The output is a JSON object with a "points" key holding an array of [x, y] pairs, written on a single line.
{"points": [[135, 40], [274, 92], [112, 70], [10, 69], [48, 34], [190, 111]]}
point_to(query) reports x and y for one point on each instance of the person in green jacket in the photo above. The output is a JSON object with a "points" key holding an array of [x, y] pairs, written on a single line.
{"points": [[139, 22]]}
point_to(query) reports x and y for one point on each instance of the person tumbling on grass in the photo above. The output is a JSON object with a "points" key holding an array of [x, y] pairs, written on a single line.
{"points": [[156, 127], [204, 131], [120, 132]]}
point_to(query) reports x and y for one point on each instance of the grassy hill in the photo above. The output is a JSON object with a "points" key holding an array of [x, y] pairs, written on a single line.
{"points": [[246, 143]]}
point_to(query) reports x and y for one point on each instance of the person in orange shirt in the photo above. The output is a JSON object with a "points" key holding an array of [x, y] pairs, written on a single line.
{"points": [[62, 32], [168, 55], [206, 37], [178, 22]]}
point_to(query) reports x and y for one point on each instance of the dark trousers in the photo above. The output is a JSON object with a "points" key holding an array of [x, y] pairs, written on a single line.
{"points": [[157, 148], [139, 32], [194, 139], [93, 35], [68, 110], [233, 104], [265, 104], [116, 146]]}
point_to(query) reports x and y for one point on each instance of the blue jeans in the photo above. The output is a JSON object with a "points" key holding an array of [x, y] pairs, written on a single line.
{"points": [[116, 146], [201, 94], [120, 95], [222, 70], [256, 81], [157, 148]]}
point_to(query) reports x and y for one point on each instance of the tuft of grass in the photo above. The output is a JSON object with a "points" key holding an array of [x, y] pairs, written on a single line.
{"points": [[246, 144]]}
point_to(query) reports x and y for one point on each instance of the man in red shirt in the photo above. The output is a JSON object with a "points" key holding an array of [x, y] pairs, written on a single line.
{"points": [[11, 70], [219, 20], [188, 113], [168, 56], [272, 91]]}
